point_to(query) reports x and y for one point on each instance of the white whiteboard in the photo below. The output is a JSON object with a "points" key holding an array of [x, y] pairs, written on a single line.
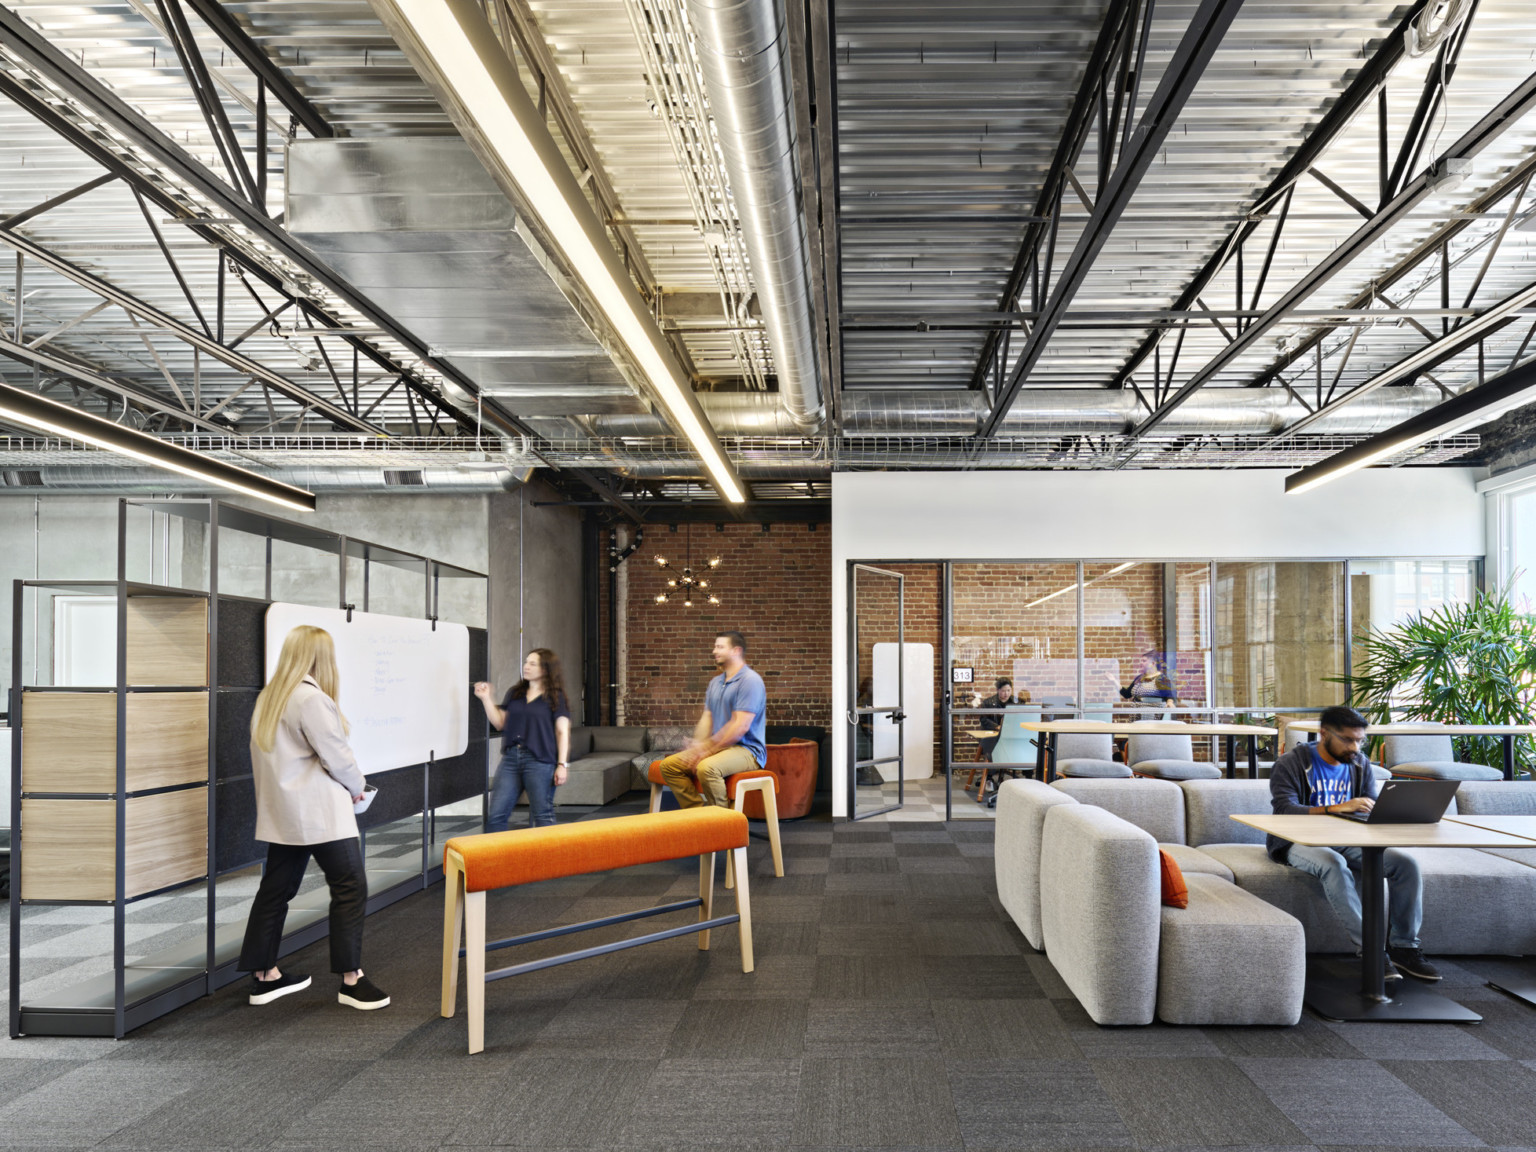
{"points": [[917, 691], [404, 686]]}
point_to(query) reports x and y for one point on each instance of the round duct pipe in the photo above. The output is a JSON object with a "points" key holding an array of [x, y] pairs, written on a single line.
{"points": [[932, 412]]}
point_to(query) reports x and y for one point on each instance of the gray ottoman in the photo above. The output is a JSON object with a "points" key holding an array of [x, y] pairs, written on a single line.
{"points": [[1229, 958]]}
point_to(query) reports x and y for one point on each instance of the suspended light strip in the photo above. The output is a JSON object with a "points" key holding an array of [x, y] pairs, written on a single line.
{"points": [[451, 41], [1073, 587], [33, 411], [1475, 406]]}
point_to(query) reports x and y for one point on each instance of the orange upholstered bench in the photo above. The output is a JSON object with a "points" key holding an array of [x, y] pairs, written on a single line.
{"points": [[757, 789], [475, 865]]}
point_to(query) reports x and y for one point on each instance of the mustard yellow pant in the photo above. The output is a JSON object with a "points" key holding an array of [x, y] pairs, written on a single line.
{"points": [[709, 788]]}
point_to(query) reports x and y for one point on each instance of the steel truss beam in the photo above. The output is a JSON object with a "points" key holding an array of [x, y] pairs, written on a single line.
{"points": [[228, 29], [814, 27], [1199, 43], [1480, 136], [1047, 211], [29, 45], [152, 315], [80, 373], [1338, 117]]}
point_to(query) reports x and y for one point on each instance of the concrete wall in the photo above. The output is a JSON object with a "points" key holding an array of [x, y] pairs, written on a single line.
{"points": [[536, 600], [536, 580]]}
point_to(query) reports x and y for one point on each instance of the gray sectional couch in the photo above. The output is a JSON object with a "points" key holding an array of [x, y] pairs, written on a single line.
{"points": [[1077, 870]]}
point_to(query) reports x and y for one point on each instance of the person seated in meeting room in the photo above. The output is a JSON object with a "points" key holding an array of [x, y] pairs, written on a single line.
{"points": [[1151, 686], [535, 725], [1000, 698], [1331, 777], [729, 735]]}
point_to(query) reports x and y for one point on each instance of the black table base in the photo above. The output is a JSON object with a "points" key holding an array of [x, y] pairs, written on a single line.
{"points": [[1522, 987], [1333, 992], [1352, 989]]}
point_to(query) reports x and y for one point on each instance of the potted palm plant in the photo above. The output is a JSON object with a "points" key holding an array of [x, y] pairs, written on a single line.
{"points": [[1469, 663]]}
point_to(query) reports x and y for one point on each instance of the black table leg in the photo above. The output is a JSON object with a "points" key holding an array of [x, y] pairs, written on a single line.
{"points": [[1040, 741], [1338, 993], [1231, 757], [1253, 757], [1509, 756]]}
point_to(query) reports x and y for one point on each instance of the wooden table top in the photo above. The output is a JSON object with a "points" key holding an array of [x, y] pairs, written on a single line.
{"points": [[1334, 832], [1429, 729], [1522, 826], [1142, 728]]}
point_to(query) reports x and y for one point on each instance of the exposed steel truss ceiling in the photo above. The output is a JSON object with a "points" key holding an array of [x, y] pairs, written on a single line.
{"points": [[1006, 201]]}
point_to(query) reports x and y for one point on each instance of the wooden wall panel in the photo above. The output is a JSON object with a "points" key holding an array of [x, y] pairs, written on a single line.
{"points": [[167, 839], [68, 849], [167, 641], [69, 742], [167, 739]]}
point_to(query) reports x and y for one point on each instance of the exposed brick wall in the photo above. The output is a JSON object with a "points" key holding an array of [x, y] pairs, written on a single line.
{"points": [[775, 589]]}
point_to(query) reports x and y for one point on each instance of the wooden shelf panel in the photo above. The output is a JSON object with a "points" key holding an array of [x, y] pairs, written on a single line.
{"points": [[167, 641], [68, 847], [69, 740]]}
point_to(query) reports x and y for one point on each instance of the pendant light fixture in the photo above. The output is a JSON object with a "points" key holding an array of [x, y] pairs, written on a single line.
{"points": [[686, 584]]}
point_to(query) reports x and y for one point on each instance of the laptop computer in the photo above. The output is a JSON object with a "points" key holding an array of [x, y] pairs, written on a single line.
{"points": [[1407, 802]]}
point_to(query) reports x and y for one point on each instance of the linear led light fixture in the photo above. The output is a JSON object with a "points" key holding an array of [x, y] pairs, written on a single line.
{"points": [[1478, 405], [1073, 587], [32, 411], [456, 51]]}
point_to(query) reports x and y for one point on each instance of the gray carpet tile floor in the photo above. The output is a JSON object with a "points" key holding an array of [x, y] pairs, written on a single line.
{"points": [[894, 1006]]}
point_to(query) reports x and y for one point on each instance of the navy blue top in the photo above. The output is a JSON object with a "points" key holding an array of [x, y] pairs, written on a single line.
{"points": [[531, 725], [743, 692]]}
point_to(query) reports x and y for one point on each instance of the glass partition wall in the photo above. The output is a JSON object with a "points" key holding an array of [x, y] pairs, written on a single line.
{"points": [[1259, 641]]}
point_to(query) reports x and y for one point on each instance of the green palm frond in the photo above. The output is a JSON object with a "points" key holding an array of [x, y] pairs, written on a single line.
{"points": [[1471, 663]]}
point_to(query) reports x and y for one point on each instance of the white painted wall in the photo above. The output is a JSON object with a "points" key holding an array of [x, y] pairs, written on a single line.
{"points": [[1136, 515]]}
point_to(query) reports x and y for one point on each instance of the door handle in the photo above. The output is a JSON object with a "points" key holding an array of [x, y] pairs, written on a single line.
{"points": [[898, 716]]}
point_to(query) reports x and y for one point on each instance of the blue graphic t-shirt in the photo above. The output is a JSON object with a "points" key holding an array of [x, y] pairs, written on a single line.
{"points": [[1330, 783]]}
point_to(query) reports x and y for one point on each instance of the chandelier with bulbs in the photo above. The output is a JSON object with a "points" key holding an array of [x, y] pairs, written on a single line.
{"points": [[686, 584]]}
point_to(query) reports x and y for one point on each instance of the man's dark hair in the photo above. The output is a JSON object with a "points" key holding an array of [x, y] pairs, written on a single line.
{"points": [[1341, 717], [1002, 681], [737, 640]]}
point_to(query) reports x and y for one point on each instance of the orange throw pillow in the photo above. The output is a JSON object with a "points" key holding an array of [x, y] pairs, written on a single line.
{"points": [[1175, 891]]}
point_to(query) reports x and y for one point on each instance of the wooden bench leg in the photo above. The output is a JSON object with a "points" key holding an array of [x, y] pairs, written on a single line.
{"points": [[474, 967], [656, 797], [771, 811], [706, 895], [744, 909], [453, 919]]}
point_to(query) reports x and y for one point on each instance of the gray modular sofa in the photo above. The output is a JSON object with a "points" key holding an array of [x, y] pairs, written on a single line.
{"points": [[1077, 871]]}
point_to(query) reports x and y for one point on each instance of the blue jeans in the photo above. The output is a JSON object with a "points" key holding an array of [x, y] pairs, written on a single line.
{"points": [[1339, 871], [517, 772]]}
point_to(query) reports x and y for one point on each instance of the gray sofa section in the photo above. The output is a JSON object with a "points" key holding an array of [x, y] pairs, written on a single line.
{"points": [[1099, 900], [1021, 809]]}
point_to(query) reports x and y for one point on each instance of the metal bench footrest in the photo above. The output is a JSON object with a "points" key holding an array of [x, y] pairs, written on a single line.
{"points": [[604, 922], [617, 946]]}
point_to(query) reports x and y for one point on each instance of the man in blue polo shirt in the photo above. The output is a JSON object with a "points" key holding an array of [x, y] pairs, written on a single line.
{"points": [[1331, 777], [729, 735]]}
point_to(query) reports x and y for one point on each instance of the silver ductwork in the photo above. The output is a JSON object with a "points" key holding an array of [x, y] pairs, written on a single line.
{"points": [[742, 50], [1064, 411]]}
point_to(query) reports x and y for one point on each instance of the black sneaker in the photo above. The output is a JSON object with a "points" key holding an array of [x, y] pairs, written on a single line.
{"points": [[1391, 973], [1411, 961], [266, 991], [363, 995]]}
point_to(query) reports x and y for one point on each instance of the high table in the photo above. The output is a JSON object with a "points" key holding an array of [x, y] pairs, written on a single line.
{"points": [[1525, 828], [1333, 990], [1045, 751], [1508, 732]]}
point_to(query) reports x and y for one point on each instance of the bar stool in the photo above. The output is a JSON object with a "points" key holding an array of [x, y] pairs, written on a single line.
{"points": [[761, 785]]}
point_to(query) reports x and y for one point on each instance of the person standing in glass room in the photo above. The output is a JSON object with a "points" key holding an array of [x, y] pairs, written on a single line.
{"points": [[1151, 687], [535, 723]]}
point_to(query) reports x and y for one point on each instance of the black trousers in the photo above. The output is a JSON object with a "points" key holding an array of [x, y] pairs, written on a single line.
{"points": [[342, 863]]}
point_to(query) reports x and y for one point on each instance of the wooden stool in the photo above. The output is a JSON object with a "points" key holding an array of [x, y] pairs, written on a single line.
{"points": [[761, 782], [475, 865]]}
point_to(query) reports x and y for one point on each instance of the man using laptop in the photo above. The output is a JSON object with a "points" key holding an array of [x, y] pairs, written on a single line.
{"points": [[1331, 778]]}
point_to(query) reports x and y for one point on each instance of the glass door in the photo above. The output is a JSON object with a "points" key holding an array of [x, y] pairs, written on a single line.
{"points": [[877, 687]]}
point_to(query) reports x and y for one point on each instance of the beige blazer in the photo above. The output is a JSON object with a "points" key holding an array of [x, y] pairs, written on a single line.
{"points": [[305, 785]]}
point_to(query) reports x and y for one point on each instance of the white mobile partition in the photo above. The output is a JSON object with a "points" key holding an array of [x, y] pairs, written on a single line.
{"points": [[917, 661]]}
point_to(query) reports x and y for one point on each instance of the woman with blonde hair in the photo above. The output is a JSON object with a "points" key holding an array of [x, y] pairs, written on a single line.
{"points": [[306, 783]]}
